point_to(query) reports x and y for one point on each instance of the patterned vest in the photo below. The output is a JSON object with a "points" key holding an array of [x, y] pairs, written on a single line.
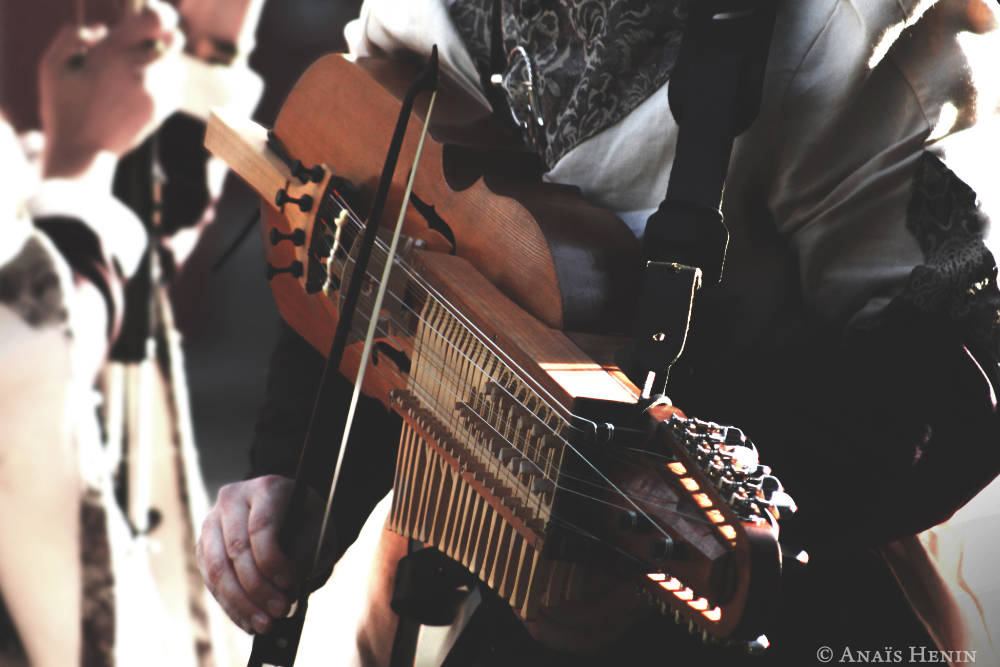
{"points": [[574, 67]]}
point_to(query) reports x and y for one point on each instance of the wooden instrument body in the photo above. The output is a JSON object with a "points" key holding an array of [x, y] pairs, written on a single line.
{"points": [[564, 261], [487, 451]]}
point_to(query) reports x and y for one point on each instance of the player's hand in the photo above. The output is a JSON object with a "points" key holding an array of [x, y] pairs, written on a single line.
{"points": [[239, 556], [103, 91]]}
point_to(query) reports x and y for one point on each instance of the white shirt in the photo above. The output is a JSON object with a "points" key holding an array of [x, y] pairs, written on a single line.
{"points": [[820, 184]]}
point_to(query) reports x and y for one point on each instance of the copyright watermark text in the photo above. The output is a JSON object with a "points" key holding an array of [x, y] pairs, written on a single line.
{"points": [[891, 655]]}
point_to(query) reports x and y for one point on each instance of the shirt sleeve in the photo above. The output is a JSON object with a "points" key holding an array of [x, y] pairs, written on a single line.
{"points": [[887, 389], [386, 28], [880, 89]]}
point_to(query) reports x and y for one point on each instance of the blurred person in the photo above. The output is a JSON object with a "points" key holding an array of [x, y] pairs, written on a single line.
{"points": [[73, 577], [69, 248]]}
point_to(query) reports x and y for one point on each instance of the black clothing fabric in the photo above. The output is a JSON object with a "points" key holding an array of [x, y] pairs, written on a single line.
{"points": [[851, 602], [871, 429]]}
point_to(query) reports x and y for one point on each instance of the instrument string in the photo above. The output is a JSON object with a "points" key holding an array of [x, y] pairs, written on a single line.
{"points": [[589, 535], [418, 281], [383, 284], [445, 339], [513, 478], [519, 443], [442, 366]]}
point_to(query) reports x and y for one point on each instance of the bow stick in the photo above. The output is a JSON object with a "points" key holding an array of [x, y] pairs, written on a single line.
{"points": [[279, 646]]}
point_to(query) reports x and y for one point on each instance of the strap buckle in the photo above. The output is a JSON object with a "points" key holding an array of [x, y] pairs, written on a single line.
{"points": [[663, 319]]}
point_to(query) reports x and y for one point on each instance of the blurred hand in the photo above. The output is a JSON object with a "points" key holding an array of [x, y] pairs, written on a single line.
{"points": [[103, 91], [239, 556]]}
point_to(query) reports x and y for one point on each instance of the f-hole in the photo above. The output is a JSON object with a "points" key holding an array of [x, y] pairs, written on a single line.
{"points": [[434, 221], [397, 357]]}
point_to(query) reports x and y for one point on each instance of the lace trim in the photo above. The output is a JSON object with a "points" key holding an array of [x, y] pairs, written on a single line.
{"points": [[957, 283]]}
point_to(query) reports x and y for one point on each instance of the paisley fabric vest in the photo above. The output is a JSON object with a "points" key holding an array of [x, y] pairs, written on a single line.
{"points": [[588, 62]]}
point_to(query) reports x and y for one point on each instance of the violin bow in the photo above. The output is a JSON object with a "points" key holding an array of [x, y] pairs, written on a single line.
{"points": [[279, 646]]}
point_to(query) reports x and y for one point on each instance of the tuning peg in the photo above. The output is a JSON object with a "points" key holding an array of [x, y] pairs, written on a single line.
{"points": [[726, 484], [758, 645], [740, 500], [744, 457], [299, 170], [297, 237], [305, 202], [735, 436], [784, 503], [306, 174], [663, 548], [791, 554]]}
